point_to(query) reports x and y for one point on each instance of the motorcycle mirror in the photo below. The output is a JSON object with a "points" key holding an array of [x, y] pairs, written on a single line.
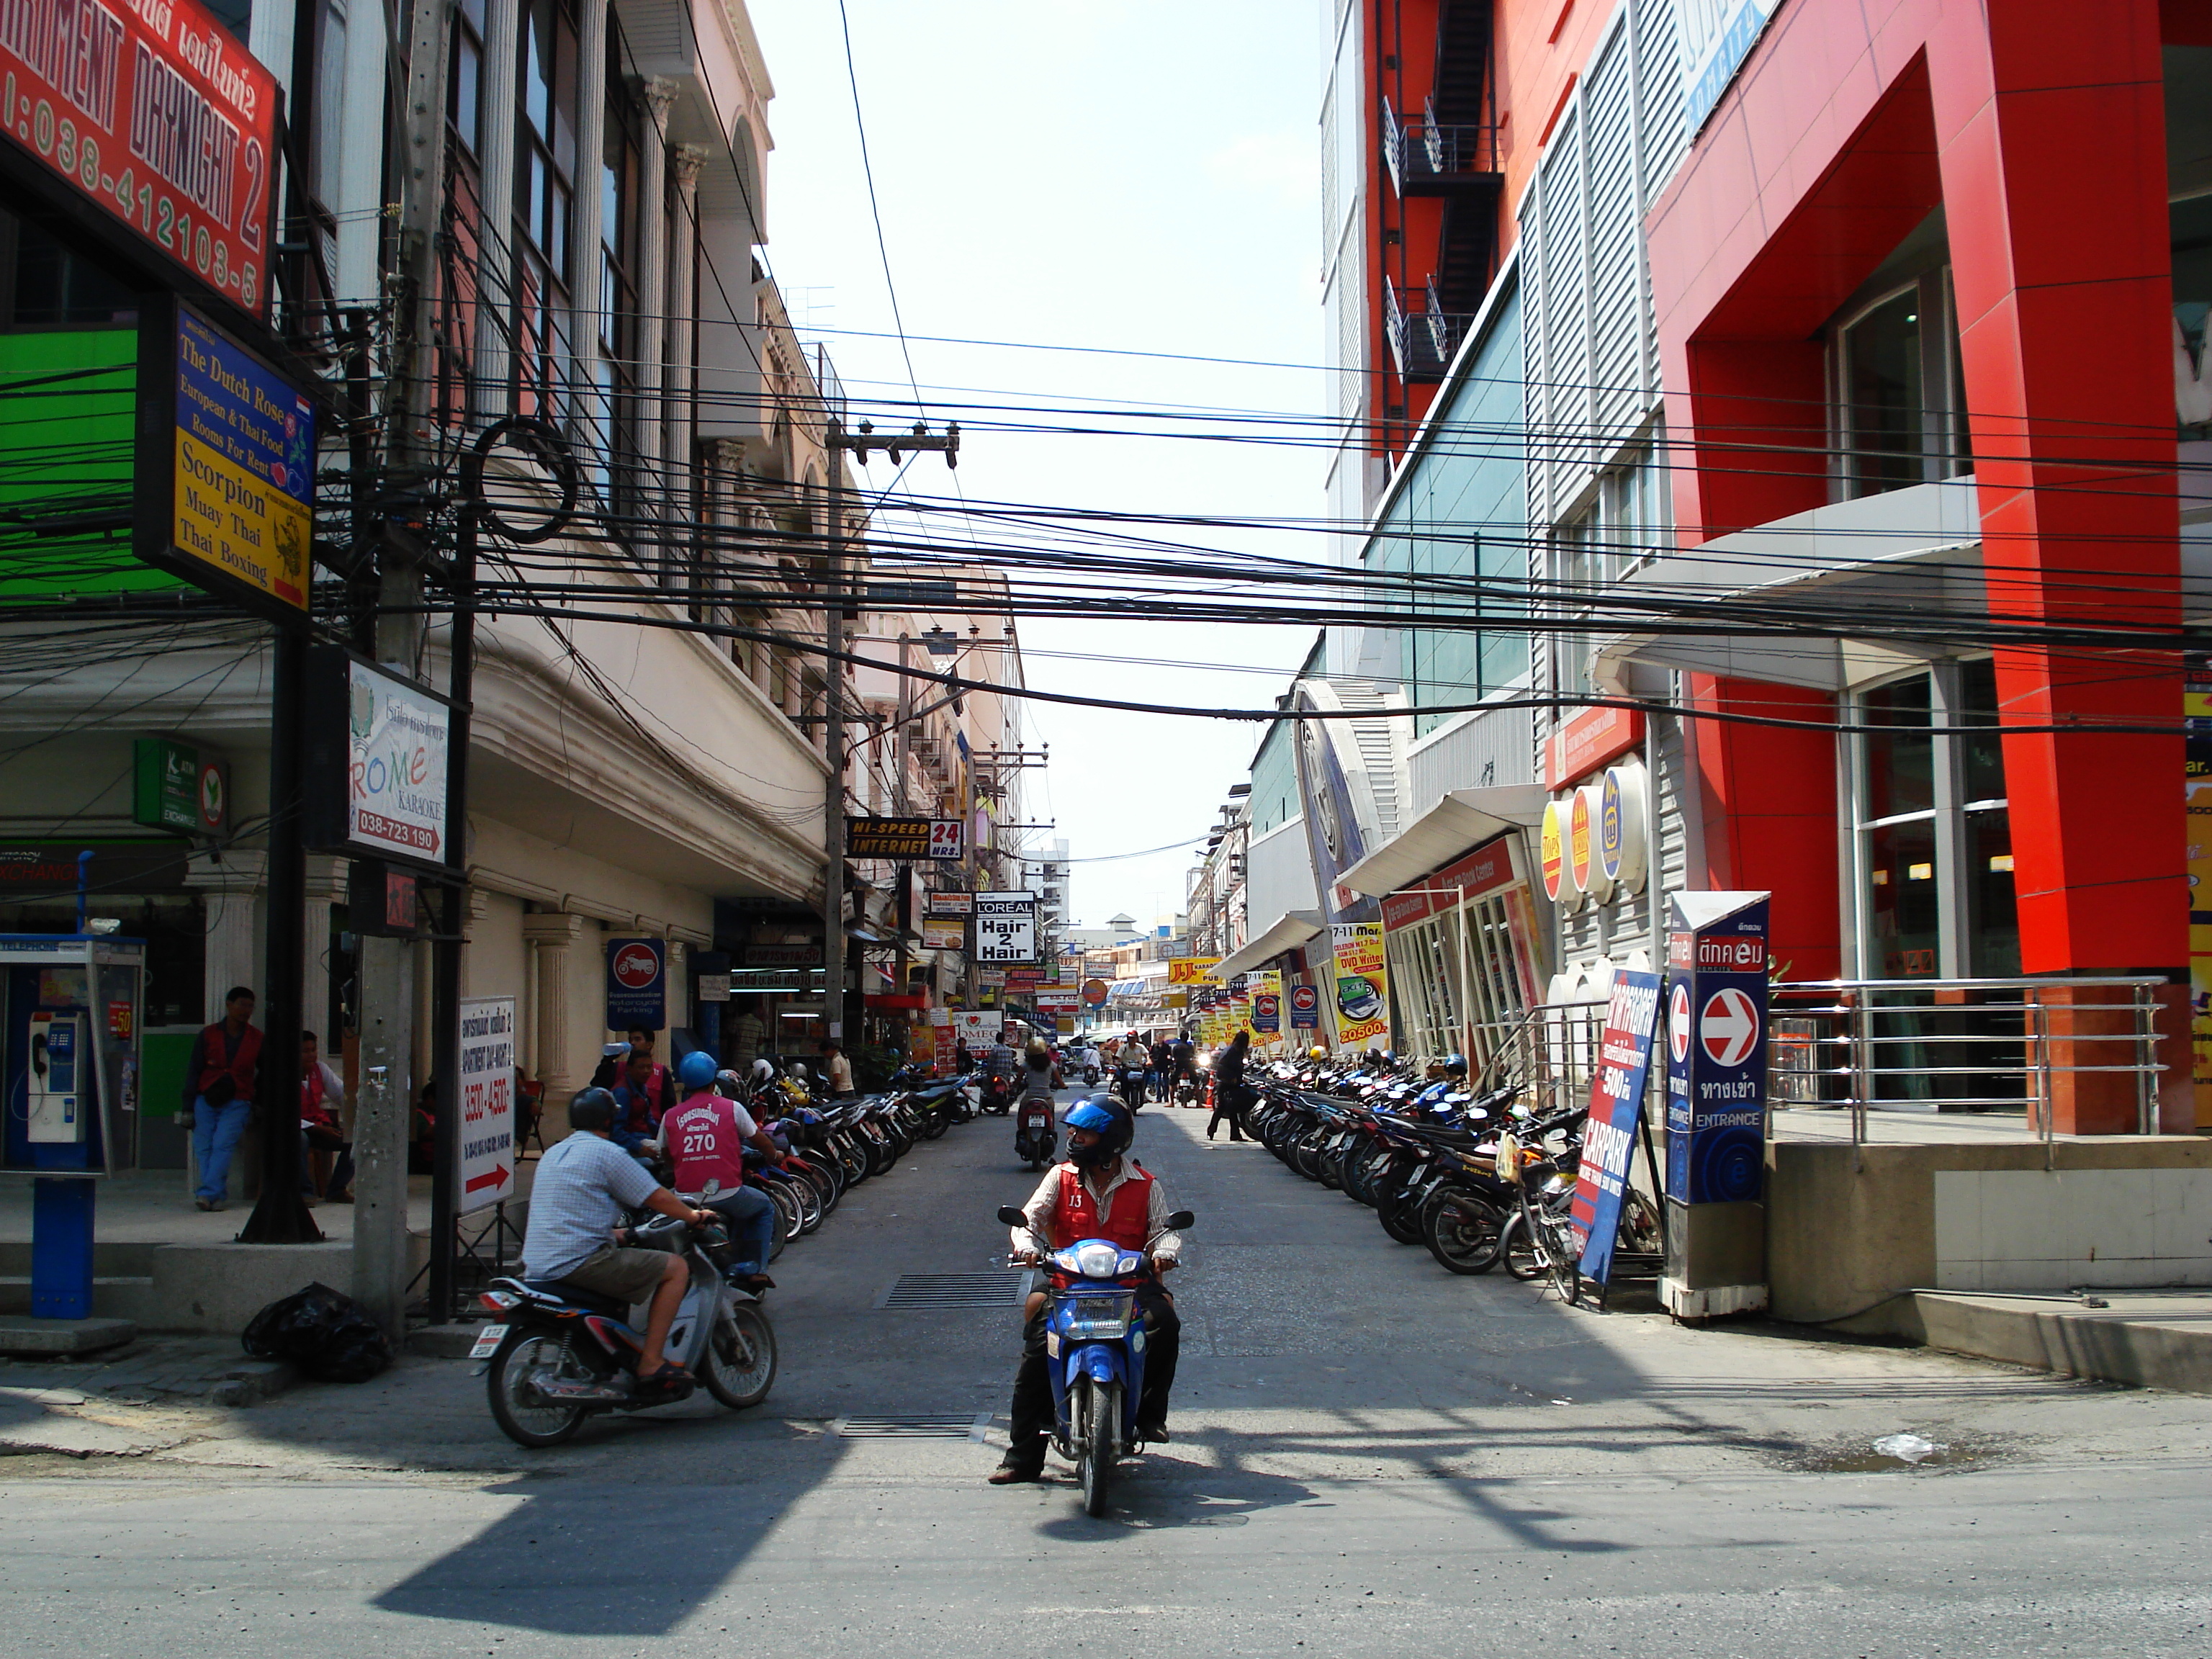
{"points": [[1179, 1220], [1011, 1215]]}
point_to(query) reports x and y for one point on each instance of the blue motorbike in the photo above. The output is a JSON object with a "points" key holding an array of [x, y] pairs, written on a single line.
{"points": [[1094, 1348]]}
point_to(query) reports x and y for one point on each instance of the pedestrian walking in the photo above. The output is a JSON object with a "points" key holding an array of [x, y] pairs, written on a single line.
{"points": [[218, 1099]]}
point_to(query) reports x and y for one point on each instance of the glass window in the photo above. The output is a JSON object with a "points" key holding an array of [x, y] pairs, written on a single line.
{"points": [[1883, 399], [1900, 766]]}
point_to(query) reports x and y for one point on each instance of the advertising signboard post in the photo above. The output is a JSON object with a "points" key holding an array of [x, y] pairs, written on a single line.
{"points": [[1305, 1008], [1362, 985], [376, 762], [1267, 1015], [1616, 1103], [487, 1139], [637, 983], [1006, 928], [155, 116], [1718, 954]]}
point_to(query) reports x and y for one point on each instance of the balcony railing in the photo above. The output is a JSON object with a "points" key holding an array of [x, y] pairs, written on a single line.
{"points": [[1427, 157], [1422, 341]]}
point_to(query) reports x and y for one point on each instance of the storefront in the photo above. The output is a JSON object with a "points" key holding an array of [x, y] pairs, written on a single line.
{"points": [[1467, 953]]}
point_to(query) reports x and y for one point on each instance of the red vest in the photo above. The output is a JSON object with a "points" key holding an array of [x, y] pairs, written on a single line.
{"points": [[215, 1043], [703, 1139], [1127, 1221]]}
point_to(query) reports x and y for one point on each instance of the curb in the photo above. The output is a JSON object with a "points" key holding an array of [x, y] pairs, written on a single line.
{"points": [[443, 1341]]}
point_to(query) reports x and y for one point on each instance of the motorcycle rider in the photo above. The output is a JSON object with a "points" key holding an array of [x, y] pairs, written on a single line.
{"points": [[998, 1062], [644, 1097], [701, 1136], [1232, 1096], [1100, 1192], [1185, 1055], [583, 1185], [1038, 1070]]}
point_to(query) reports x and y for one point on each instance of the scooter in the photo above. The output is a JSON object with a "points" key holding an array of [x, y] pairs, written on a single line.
{"points": [[1036, 1136], [1134, 1088], [555, 1354], [1094, 1347], [998, 1094]]}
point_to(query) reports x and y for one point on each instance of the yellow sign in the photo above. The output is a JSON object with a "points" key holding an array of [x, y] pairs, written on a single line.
{"points": [[1192, 970], [1175, 999], [242, 469], [1363, 983]]}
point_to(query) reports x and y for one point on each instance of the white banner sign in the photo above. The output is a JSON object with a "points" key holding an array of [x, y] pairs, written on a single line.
{"points": [[395, 767], [1006, 928], [487, 1171]]}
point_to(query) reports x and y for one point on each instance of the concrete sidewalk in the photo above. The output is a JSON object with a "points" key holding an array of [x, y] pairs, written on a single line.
{"points": [[166, 1266], [2149, 1339]]}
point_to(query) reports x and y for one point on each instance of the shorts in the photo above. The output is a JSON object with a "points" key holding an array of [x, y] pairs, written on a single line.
{"points": [[633, 1275]]}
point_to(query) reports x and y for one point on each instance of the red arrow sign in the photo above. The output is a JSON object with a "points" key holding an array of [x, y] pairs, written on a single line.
{"points": [[493, 1177], [1678, 1022], [1729, 1026]]}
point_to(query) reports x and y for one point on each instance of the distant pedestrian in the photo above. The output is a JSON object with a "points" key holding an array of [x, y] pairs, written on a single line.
{"points": [[836, 1069], [322, 1106], [963, 1061], [218, 1099]]}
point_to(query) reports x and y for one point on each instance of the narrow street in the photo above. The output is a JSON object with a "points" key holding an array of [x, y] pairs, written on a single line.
{"points": [[1369, 1453]]}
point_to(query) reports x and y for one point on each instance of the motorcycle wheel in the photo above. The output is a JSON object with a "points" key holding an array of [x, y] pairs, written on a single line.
{"points": [[1400, 1221], [1094, 1458], [1561, 1258], [935, 1125], [787, 1213], [1463, 1232], [856, 1162], [810, 1213], [828, 1188], [740, 1362], [521, 1419]]}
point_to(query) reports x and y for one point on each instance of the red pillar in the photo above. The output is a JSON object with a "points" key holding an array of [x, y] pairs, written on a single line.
{"points": [[2051, 140]]}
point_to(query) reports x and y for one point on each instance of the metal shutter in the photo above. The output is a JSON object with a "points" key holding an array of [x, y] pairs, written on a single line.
{"points": [[1616, 300], [1658, 92]]}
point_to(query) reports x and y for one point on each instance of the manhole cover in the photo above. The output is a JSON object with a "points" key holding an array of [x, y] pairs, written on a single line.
{"points": [[959, 1427], [989, 1289]]}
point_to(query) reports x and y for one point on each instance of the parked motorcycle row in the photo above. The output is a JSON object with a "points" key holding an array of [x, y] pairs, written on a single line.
{"points": [[1480, 1179], [556, 1355]]}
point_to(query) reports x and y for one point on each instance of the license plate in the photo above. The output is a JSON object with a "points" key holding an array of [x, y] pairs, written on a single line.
{"points": [[488, 1341]]}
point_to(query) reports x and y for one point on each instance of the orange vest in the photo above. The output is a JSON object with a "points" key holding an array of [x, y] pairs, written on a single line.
{"points": [[1126, 1222]]}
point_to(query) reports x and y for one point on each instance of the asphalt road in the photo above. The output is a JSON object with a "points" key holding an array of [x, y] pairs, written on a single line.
{"points": [[1370, 1456]]}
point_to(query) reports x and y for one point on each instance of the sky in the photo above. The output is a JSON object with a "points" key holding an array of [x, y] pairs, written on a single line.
{"points": [[1140, 175]]}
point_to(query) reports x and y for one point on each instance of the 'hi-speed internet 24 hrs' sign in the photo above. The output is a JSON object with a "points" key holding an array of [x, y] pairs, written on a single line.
{"points": [[151, 110]]}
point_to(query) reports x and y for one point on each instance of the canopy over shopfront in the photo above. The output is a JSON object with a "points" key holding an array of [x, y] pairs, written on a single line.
{"points": [[1288, 933], [1463, 818]]}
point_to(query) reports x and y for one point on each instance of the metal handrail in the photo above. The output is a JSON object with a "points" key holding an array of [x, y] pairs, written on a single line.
{"points": [[2021, 1007]]}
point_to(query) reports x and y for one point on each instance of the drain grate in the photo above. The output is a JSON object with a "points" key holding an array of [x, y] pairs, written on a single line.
{"points": [[923, 1291], [961, 1427]]}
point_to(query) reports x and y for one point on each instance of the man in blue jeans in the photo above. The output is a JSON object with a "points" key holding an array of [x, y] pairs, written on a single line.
{"points": [[218, 1099]]}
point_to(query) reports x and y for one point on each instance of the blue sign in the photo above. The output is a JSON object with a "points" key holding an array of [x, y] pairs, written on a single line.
{"points": [[1616, 1101], [1305, 1008], [1716, 956], [637, 984]]}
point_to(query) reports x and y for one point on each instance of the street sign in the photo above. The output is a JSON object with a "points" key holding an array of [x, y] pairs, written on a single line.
{"points": [[1006, 928], [1095, 992], [165, 785], [1192, 970], [944, 933], [1305, 1008], [949, 904], [637, 984], [376, 761], [166, 130], [487, 1066], [1616, 1103], [1716, 957], [1268, 1012], [1727, 1026], [225, 466], [948, 839], [888, 838]]}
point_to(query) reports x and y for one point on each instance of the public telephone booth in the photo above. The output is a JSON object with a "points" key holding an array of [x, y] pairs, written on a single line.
{"points": [[70, 1006]]}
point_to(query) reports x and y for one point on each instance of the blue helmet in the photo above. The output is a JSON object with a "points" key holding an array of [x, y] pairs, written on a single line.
{"points": [[1109, 1120], [696, 1069]]}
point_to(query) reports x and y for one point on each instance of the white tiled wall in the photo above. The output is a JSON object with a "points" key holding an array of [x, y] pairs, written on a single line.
{"points": [[2034, 1230]]}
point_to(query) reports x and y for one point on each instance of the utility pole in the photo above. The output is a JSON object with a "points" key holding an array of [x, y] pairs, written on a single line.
{"points": [[386, 967], [840, 443]]}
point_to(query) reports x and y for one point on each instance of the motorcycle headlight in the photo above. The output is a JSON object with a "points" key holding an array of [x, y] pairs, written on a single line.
{"points": [[1097, 1260]]}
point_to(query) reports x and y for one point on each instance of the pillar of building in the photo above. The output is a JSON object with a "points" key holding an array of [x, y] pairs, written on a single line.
{"points": [[684, 162], [494, 309], [552, 936], [657, 95]]}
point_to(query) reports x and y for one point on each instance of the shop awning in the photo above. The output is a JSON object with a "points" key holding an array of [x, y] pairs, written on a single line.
{"points": [[1460, 822], [1287, 933]]}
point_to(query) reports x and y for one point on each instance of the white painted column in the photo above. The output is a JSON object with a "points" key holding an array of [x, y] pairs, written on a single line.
{"points": [[651, 311], [553, 935], [588, 227]]}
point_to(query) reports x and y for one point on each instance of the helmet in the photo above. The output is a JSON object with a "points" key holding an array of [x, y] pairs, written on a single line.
{"points": [[1106, 1118], [1317, 1052], [730, 1083], [763, 1071], [696, 1069], [1455, 1066], [591, 1109]]}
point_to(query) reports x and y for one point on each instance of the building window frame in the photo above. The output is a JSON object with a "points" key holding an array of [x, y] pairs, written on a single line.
{"points": [[1939, 446]]}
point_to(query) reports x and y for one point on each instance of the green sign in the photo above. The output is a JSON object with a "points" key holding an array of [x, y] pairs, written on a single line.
{"points": [[166, 788]]}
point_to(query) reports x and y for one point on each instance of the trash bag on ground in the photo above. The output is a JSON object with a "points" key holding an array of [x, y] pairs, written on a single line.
{"points": [[324, 1332]]}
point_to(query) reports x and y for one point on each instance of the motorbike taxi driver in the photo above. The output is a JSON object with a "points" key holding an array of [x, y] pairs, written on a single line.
{"points": [[1100, 1192]]}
